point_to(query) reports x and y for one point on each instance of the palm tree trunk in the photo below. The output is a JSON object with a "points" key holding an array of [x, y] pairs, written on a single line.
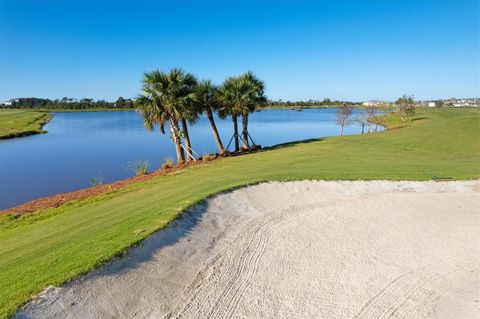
{"points": [[341, 133], [235, 132], [363, 128], [221, 150], [175, 130], [245, 130], [187, 140]]}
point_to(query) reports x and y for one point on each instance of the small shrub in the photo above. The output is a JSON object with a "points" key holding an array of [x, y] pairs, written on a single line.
{"points": [[97, 181], [205, 158], [139, 167], [406, 106], [168, 163]]}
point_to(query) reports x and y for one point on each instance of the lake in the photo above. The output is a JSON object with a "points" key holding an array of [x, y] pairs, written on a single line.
{"points": [[85, 145]]}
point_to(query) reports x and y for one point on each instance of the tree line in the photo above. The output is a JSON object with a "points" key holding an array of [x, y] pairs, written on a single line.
{"points": [[68, 103], [324, 102], [178, 98]]}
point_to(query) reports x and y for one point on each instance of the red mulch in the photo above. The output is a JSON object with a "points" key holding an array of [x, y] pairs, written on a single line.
{"points": [[60, 199]]}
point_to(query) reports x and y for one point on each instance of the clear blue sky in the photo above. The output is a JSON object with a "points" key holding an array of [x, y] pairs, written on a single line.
{"points": [[354, 50]]}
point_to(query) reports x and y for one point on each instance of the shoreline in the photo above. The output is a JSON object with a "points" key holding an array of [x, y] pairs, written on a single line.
{"points": [[60, 199], [44, 120]]}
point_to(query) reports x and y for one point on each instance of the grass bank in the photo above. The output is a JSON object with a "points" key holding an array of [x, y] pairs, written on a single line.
{"points": [[54, 245], [15, 123]]}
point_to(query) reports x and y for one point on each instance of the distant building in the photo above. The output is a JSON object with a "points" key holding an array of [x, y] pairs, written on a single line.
{"points": [[371, 103], [452, 102], [475, 102], [7, 103]]}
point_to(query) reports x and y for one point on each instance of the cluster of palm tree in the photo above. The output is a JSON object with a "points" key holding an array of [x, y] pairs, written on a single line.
{"points": [[177, 97]]}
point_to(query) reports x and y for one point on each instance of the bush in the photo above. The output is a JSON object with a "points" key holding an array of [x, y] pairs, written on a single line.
{"points": [[406, 107], [168, 163], [97, 181], [205, 158], [139, 167]]}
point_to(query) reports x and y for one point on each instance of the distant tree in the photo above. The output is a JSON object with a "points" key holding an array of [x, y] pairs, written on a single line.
{"points": [[372, 111], [69, 103], [406, 105], [326, 101], [120, 103], [85, 103], [405, 99], [438, 105], [362, 119], [344, 114], [381, 117]]}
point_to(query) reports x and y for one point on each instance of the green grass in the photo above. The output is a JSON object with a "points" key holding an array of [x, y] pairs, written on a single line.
{"points": [[52, 246], [14, 123]]}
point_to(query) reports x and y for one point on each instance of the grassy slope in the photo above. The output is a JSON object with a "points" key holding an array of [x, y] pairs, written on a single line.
{"points": [[15, 123], [48, 248]]}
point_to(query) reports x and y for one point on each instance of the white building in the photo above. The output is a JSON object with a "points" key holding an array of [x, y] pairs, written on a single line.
{"points": [[431, 104], [371, 103]]}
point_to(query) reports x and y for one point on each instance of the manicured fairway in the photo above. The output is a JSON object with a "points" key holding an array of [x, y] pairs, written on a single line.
{"points": [[52, 246], [15, 123]]}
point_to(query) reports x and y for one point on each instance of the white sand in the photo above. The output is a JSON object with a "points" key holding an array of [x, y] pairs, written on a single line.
{"points": [[296, 250], [462, 303]]}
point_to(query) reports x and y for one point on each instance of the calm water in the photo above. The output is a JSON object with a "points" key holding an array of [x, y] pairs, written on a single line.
{"points": [[80, 146]]}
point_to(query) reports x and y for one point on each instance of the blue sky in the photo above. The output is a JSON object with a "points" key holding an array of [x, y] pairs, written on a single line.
{"points": [[353, 50]]}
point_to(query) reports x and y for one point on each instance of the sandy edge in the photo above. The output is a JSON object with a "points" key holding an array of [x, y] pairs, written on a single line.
{"points": [[204, 234]]}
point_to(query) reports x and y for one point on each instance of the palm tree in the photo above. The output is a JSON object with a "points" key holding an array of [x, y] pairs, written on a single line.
{"points": [[190, 114], [239, 96], [231, 99], [152, 113], [255, 97], [207, 99], [181, 93], [167, 97]]}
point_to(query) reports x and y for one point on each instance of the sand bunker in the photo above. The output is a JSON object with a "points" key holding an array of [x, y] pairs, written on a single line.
{"points": [[296, 250]]}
